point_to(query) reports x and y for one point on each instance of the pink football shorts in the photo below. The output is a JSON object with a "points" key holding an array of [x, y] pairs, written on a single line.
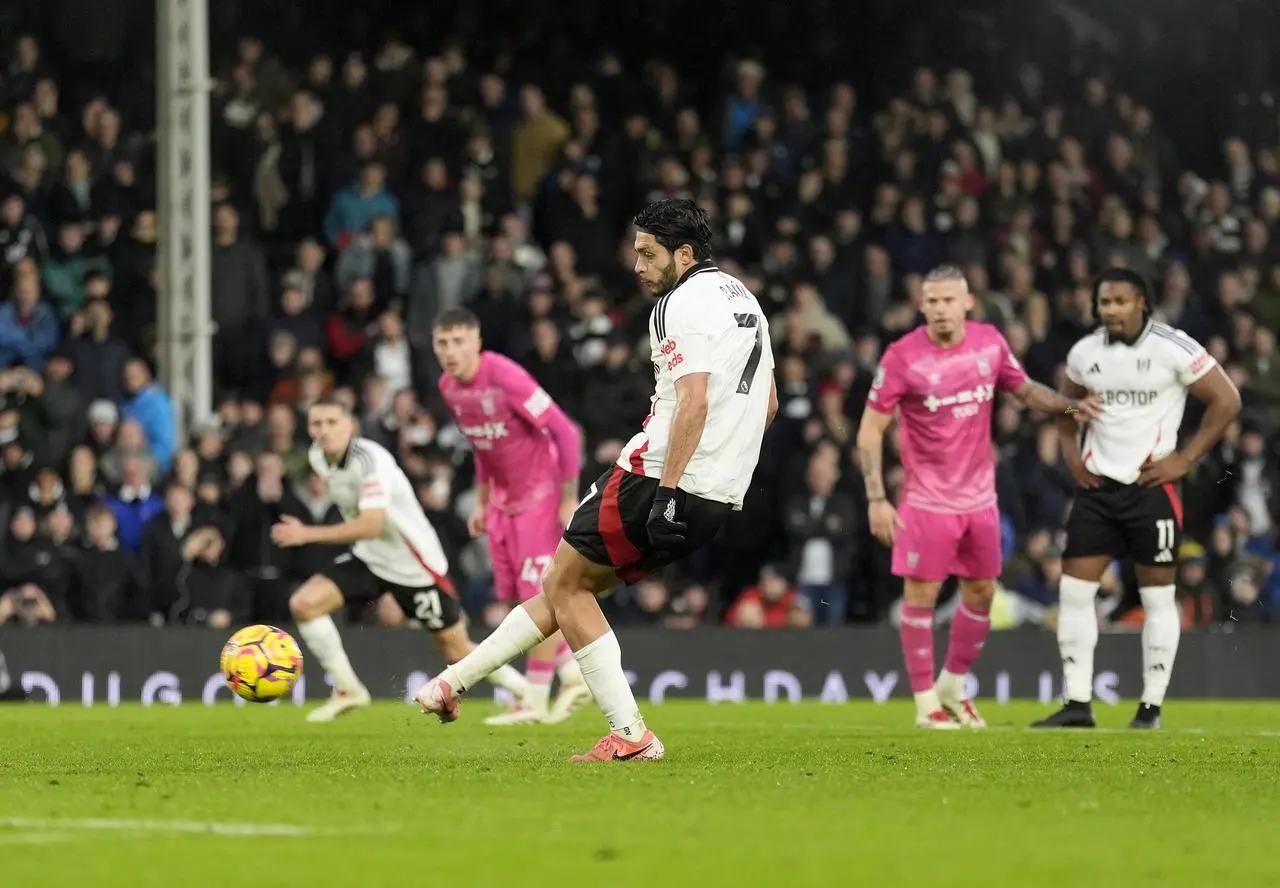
{"points": [[521, 546], [933, 546]]}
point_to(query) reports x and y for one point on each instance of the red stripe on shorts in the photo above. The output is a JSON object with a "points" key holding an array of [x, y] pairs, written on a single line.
{"points": [[441, 582], [1174, 500], [637, 458], [621, 551]]}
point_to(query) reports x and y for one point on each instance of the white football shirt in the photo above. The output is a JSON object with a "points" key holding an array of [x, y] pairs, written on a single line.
{"points": [[710, 323], [407, 552], [1143, 387]]}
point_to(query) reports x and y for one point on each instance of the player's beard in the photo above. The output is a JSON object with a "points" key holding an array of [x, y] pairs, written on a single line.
{"points": [[667, 282]]}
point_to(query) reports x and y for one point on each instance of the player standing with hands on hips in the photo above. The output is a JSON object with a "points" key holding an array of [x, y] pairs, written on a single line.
{"points": [[942, 379], [1127, 467], [672, 488]]}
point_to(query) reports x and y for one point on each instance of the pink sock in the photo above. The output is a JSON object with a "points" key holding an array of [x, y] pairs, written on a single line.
{"points": [[916, 631], [540, 672], [969, 628], [564, 654]]}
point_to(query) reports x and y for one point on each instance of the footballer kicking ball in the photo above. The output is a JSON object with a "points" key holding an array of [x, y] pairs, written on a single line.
{"points": [[261, 663]]}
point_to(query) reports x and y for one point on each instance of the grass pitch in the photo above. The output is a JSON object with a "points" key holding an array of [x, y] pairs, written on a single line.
{"points": [[749, 795]]}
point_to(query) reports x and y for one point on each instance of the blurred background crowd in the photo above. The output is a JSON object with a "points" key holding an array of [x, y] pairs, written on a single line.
{"points": [[376, 163]]}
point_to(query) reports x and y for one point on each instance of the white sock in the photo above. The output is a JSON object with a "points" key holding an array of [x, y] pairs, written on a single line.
{"points": [[323, 639], [1077, 636], [601, 663], [538, 697], [927, 703], [570, 673], [1160, 635], [514, 635], [952, 684], [509, 678]]}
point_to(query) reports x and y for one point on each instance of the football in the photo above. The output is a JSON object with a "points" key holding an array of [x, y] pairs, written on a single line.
{"points": [[261, 663]]}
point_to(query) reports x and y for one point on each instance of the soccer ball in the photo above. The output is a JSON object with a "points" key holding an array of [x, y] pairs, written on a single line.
{"points": [[261, 663]]}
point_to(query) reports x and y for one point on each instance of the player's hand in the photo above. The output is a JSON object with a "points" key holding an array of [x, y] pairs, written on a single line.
{"points": [[666, 530], [885, 520], [1084, 479], [1086, 409], [1164, 471], [475, 524], [289, 532]]}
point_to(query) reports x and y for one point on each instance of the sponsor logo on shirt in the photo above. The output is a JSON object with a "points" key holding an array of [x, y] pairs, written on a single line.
{"points": [[1128, 397], [963, 404], [538, 403], [1202, 362], [483, 436]]}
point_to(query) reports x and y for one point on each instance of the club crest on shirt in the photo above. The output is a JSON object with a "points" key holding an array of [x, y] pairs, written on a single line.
{"points": [[984, 367], [487, 405]]}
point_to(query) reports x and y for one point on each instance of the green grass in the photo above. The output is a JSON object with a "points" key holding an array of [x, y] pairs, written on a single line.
{"points": [[749, 795]]}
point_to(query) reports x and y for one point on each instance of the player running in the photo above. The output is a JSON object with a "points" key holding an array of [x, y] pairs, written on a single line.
{"points": [[394, 549], [1128, 469], [527, 458], [942, 379], [671, 489]]}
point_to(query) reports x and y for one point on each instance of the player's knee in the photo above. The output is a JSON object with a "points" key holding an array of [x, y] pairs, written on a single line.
{"points": [[309, 603], [978, 593]]}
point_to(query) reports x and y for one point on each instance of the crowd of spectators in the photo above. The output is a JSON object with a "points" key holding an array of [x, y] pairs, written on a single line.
{"points": [[356, 194]]}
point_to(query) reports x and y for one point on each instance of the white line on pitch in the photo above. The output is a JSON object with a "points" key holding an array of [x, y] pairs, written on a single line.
{"points": [[288, 830], [905, 729], [34, 838]]}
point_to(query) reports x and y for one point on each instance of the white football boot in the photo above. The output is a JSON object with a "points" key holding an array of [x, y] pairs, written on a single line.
{"points": [[340, 703]]}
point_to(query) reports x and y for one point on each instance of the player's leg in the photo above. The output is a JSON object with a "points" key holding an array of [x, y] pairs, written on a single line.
{"points": [[1156, 529], [454, 643], [979, 562], [1093, 542], [311, 606], [599, 527], [923, 555], [502, 531]]}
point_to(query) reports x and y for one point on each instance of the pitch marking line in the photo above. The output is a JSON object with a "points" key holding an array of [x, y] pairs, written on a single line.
{"points": [[906, 728], [49, 827]]}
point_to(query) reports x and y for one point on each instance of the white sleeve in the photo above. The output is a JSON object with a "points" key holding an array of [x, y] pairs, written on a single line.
{"points": [[1075, 372], [685, 341], [316, 459], [375, 486], [1191, 361]]}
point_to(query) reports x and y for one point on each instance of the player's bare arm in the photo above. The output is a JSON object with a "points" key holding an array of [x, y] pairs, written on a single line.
{"points": [[290, 532], [1069, 440], [881, 514], [475, 525], [773, 402], [689, 420], [1222, 401], [1081, 408]]}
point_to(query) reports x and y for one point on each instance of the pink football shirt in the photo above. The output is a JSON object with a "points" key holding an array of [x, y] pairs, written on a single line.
{"points": [[513, 426], [945, 398]]}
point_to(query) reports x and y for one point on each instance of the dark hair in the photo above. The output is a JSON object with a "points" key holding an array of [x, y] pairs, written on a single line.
{"points": [[1118, 275], [675, 222], [456, 317], [330, 401]]}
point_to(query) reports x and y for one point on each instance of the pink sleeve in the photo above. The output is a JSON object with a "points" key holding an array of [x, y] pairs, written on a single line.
{"points": [[1011, 376], [531, 402], [890, 384]]}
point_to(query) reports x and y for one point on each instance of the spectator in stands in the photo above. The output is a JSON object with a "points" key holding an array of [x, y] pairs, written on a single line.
{"points": [[822, 527], [150, 407], [773, 604], [28, 326], [134, 504]]}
